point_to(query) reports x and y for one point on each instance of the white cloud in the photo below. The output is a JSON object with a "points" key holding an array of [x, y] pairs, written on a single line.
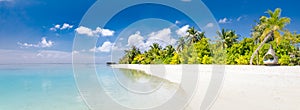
{"points": [[66, 26], [26, 45], [75, 52], [44, 43], [107, 32], [86, 31], [225, 20], [106, 47], [78, 51], [53, 29], [162, 37], [241, 17], [136, 40], [61, 27], [177, 22], [94, 33], [209, 25], [57, 26], [183, 30]]}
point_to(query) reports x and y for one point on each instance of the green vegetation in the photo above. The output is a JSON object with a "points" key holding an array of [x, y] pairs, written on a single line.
{"points": [[196, 48], [269, 28]]}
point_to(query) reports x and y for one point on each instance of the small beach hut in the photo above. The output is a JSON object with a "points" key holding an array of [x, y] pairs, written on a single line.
{"points": [[270, 58]]}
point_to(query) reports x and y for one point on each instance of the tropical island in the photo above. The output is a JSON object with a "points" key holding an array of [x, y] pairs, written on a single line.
{"points": [[270, 43], [230, 60]]}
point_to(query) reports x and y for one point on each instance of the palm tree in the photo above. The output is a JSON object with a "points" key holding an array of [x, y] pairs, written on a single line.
{"points": [[201, 35], [257, 32], [228, 37], [169, 51], [155, 50], [272, 27], [180, 44], [131, 54], [193, 36], [294, 38]]}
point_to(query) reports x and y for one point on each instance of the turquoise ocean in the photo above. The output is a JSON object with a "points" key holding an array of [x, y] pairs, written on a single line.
{"points": [[53, 87]]}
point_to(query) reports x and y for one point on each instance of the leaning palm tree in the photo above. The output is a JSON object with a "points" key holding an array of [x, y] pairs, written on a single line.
{"points": [[272, 26]]}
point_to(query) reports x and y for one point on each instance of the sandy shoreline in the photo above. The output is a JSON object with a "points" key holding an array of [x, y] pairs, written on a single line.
{"points": [[173, 73], [243, 87]]}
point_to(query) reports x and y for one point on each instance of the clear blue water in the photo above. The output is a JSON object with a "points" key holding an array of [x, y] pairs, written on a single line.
{"points": [[38, 87], [53, 87]]}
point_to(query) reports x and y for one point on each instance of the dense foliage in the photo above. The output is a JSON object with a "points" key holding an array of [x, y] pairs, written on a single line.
{"points": [[196, 48]]}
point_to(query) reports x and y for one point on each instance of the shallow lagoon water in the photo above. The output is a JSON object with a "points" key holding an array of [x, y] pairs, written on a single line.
{"points": [[53, 87], [38, 87]]}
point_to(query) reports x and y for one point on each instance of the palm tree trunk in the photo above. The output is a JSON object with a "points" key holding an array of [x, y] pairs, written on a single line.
{"points": [[257, 63], [260, 46]]}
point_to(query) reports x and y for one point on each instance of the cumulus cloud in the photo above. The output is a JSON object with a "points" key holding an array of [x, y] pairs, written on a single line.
{"points": [[183, 30], [86, 31], [162, 37], [107, 32], [61, 27], [225, 20], [44, 43], [136, 40], [209, 25], [106, 47], [57, 26], [94, 33], [66, 26]]}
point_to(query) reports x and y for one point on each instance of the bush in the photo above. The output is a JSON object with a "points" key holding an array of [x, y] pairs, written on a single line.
{"points": [[207, 60], [284, 60], [242, 60]]}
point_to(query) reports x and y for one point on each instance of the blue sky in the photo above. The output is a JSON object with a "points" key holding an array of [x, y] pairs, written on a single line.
{"points": [[42, 31]]}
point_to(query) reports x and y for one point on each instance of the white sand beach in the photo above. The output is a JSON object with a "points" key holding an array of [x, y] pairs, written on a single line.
{"points": [[243, 87]]}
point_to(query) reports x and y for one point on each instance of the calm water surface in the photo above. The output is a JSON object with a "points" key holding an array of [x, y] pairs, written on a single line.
{"points": [[53, 87]]}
